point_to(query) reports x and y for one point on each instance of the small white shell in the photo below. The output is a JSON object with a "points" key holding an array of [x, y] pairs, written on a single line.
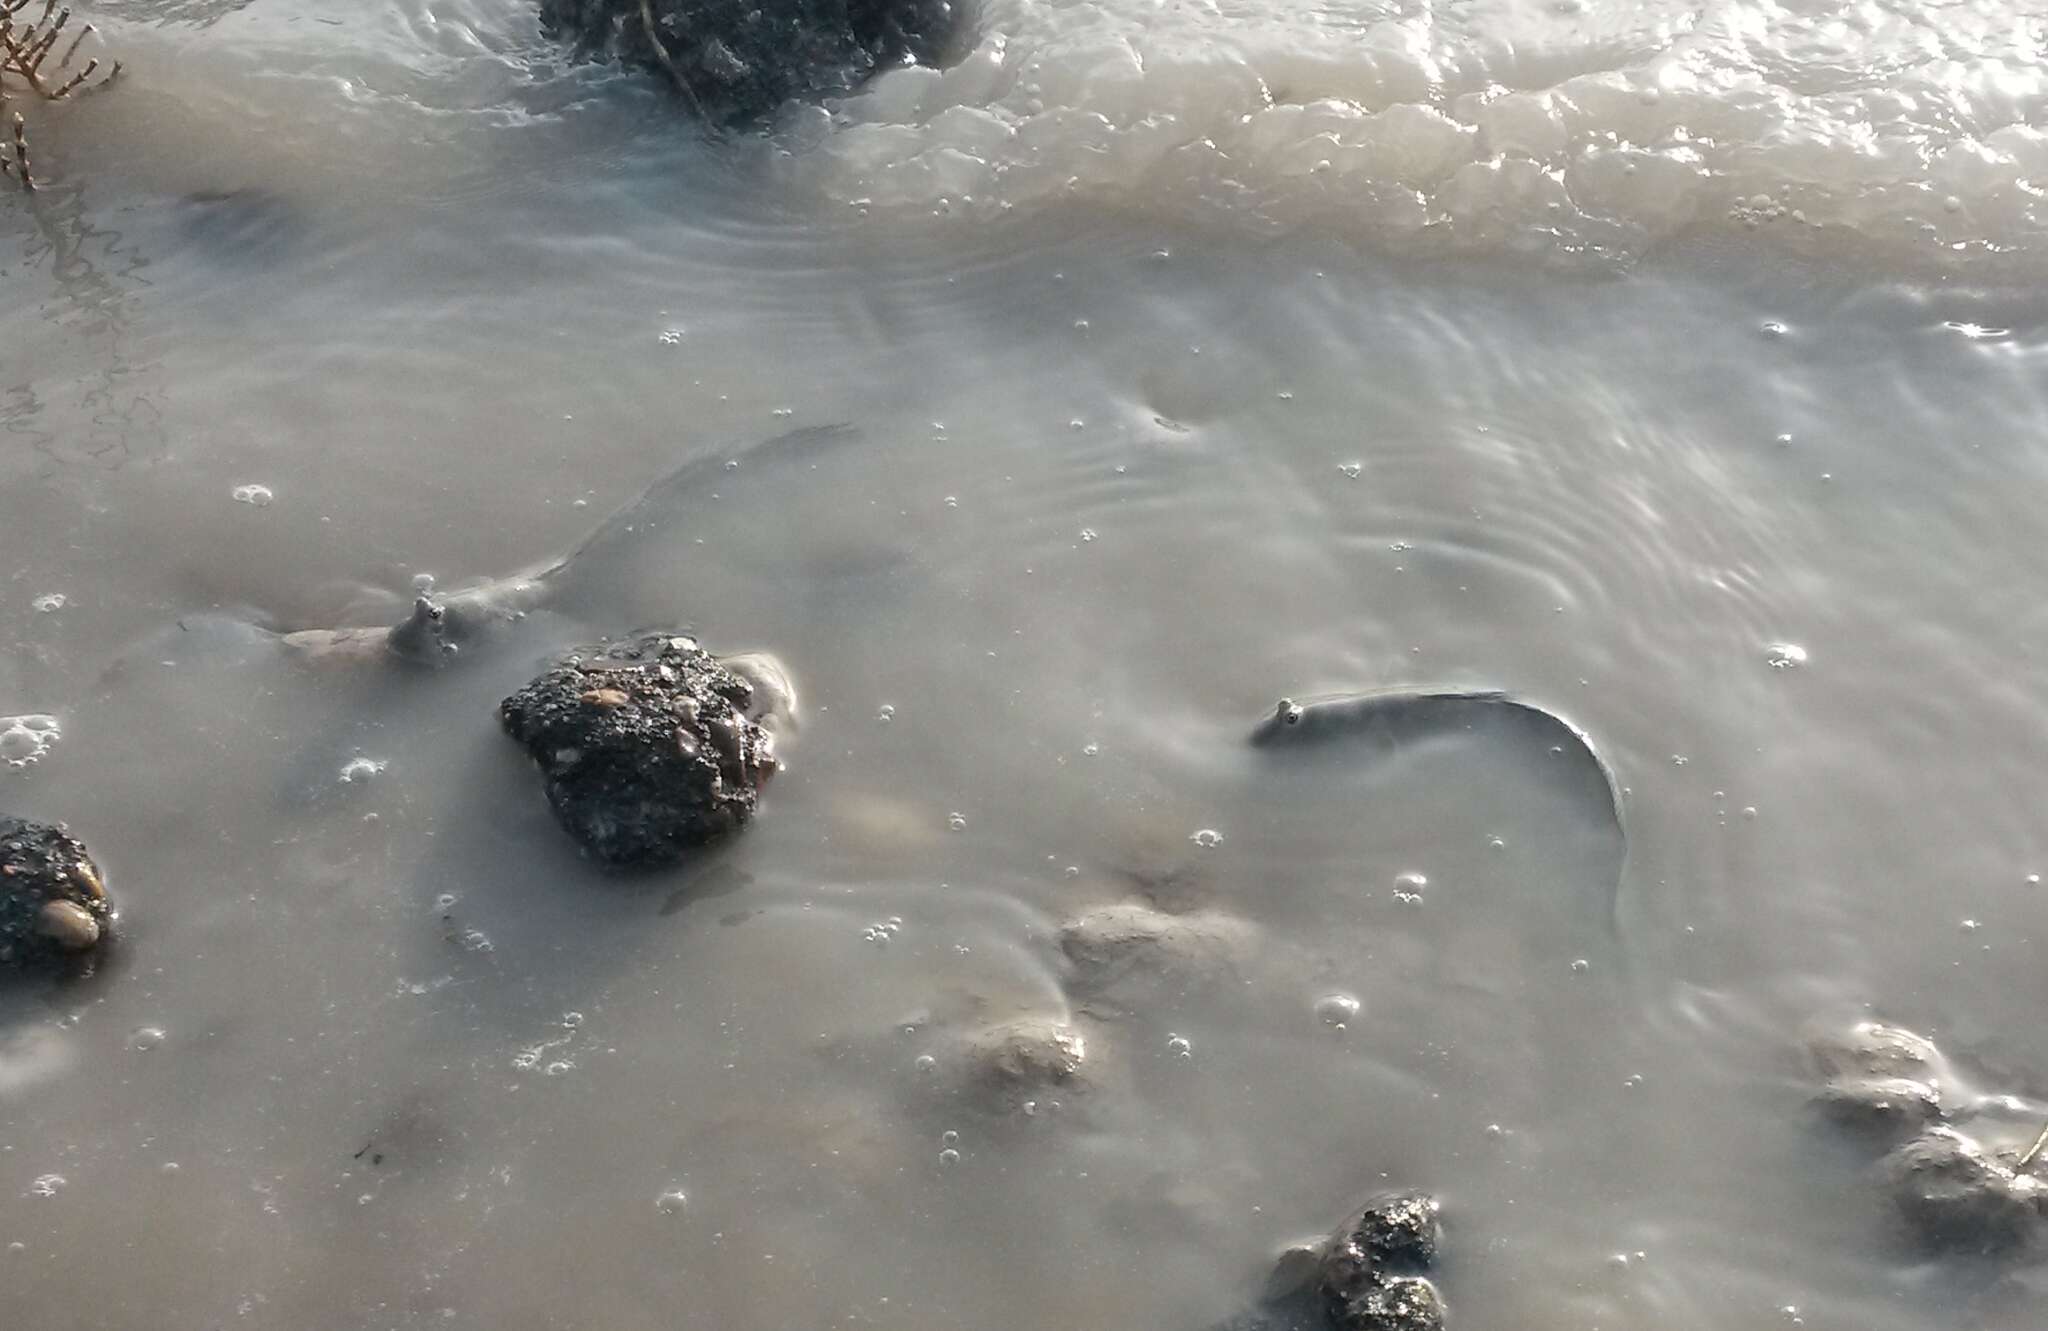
{"points": [[70, 924], [775, 704]]}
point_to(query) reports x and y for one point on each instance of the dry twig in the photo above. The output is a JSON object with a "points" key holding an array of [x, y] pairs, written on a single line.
{"points": [[24, 49], [2032, 1151]]}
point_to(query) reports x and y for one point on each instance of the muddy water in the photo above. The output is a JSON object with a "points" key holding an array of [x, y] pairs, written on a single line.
{"points": [[1153, 429]]}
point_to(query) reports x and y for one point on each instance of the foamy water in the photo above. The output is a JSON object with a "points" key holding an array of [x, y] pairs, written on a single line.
{"points": [[1200, 356], [1555, 127]]}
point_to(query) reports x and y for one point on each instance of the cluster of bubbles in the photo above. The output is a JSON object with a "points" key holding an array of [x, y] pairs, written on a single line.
{"points": [[259, 495], [25, 739], [531, 1057], [49, 603], [361, 769], [1408, 888], [1208, 838], [882, 931], [1785, 655]]}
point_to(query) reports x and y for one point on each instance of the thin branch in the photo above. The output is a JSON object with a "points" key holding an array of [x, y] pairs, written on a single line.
{"points": [[72, 50], [2032, 1151], [667, 61], [28, 180]]}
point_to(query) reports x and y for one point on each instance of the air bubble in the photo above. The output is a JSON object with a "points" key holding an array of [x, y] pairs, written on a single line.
{"points": [[925, 1064], [49, 603], [948, 1158], [672, 1202], [49, 1185], [1580, 966], [1408, 888], [956, 822], [1179, 1046], [1352, 470], [361, 769], [146, 1038], [1338, 1010], [885, 713], [1087, 533], [1090, 749], [259, 495], [1208, 838], [1785, 655]]}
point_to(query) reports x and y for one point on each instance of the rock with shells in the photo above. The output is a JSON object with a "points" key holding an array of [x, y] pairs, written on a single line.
{"points": [[27, 47], [52, 901], [649, 748]]}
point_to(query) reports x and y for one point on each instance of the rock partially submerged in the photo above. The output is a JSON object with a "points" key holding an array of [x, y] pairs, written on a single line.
{"points": [[52, 902], [1373, 1274], [1128, 944], [1960, 1196], [1956, 1194], [736, 61], [648, 748], [1023, 1063]]}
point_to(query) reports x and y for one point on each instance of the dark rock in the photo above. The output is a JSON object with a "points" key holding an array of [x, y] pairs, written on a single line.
{"points": [[1371, 1275], [738, 60], [52, 901], [647, 748], [1959, 1197], [1402, 1303], [1374, 1274]]}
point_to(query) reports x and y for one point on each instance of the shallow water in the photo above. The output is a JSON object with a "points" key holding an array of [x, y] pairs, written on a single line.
{"points": [[1160, 420]]}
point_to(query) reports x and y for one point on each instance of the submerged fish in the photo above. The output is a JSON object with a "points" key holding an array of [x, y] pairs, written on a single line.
{"points": [[1405, 715], [1389, 719], [441, 625]]}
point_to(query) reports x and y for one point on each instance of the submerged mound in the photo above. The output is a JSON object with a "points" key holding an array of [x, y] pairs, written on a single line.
{"points": [[738, 60]]}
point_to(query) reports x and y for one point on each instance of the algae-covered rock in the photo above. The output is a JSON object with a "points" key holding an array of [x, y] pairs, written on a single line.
{"points": [[648, 748], [738, 60], [52, 901]]}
